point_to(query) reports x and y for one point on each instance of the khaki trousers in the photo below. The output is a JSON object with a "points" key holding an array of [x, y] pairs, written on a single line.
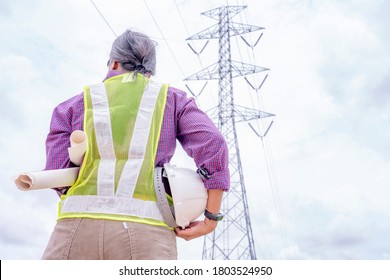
{"points": [[93, 239]]}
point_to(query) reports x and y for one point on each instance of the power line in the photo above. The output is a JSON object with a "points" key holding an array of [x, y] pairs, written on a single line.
{"points": [[109, 26], [162, 34], [193, 50], [181, 17], [188, 32], [157, 25]]}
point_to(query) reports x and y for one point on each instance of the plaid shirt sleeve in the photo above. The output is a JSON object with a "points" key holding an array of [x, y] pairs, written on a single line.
{"points": [[67, 117], [202, 141]]}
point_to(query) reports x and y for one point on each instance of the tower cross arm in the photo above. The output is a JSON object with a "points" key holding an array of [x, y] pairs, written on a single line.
{"points": [[235, 29], [208, 73], [244, 114], [208, 33], [237, 69], [239, 28], [241, 113], [231, 10], [243, 69]]}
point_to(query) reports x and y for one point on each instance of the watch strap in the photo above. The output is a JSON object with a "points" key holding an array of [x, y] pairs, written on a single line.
{"points": [[211, 216]]}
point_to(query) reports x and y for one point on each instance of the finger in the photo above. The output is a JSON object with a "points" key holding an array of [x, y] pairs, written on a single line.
{"points": [[187, 233], [183, 236], [180, 231]]}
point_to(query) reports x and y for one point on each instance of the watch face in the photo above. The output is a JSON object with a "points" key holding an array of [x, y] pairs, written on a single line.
{"points": [[219, 217]]}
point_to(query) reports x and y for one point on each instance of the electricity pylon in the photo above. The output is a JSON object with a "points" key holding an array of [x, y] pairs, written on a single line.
{"points": [[233, 238]]}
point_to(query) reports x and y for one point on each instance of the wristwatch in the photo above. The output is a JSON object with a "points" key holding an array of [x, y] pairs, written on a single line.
{"points": [[215, 217]]}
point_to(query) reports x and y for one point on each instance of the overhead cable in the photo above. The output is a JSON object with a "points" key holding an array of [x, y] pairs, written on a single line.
{"points": [[109, 26], [166, 42]]}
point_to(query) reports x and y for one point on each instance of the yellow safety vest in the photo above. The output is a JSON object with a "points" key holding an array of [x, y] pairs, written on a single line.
{"points": [[122, 121]]}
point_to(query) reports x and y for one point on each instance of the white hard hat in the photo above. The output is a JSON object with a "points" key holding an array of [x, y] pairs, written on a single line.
{"points": [[188, 194]]}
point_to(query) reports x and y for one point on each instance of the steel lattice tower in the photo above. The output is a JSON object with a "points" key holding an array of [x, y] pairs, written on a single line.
{"points": [[233, 238]]}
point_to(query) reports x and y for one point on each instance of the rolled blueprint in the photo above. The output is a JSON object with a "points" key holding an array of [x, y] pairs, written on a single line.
{"points": [[59, 177], [78, 145], [47, 179]]}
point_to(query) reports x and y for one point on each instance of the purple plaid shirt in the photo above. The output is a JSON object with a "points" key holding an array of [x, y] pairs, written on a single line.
{"points": [[183, 121]]}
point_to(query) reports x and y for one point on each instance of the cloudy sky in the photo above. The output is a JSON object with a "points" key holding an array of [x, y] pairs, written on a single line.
{"points": [[318, 184]]}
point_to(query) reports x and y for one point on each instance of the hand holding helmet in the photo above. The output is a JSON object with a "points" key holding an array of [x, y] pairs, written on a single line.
{"points": [[200, 228], [190, 200]]}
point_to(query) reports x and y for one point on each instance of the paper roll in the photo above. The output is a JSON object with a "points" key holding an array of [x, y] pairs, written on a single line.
{"points": [[47, 179], [78, 145], [59, 177]]}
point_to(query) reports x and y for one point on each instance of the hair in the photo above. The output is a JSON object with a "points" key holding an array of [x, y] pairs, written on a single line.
{"points": [[135, 52]]}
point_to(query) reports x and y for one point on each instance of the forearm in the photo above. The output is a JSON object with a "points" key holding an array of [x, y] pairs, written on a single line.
{"points": [[214, 200]]}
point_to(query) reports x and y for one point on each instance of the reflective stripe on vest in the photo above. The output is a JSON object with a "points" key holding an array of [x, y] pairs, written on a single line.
{"points": [[117, 179]]}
